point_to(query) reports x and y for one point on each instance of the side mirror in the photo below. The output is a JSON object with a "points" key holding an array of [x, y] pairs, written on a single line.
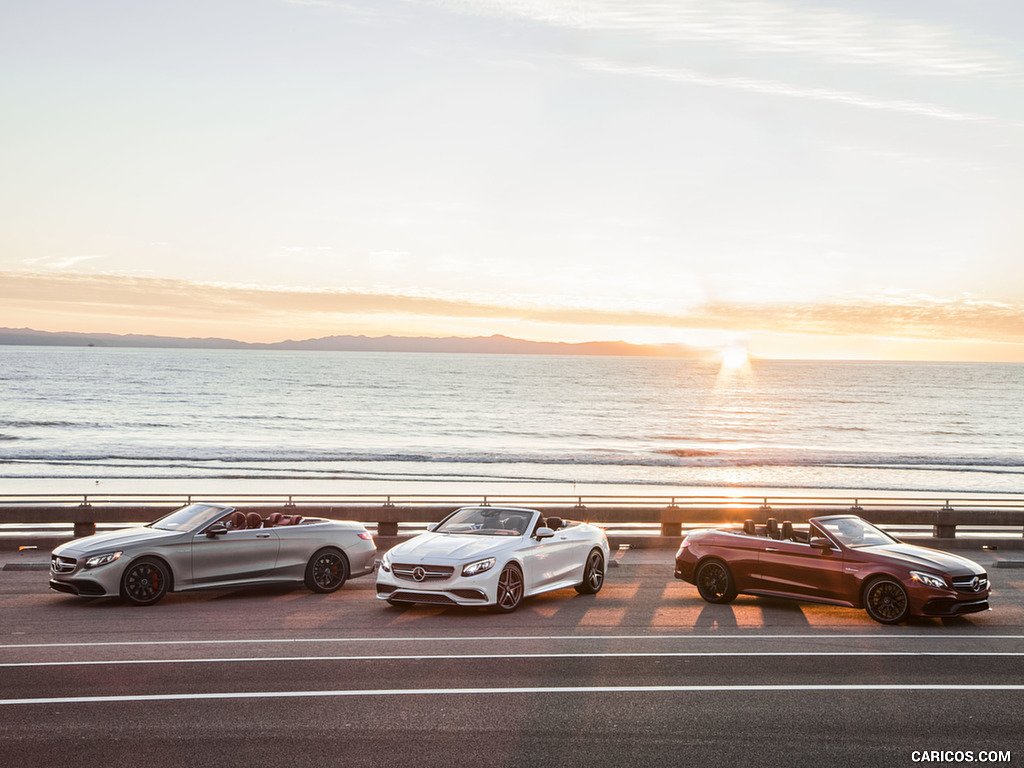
{"points": [[543, 533], [819, 542], [216, 530]]}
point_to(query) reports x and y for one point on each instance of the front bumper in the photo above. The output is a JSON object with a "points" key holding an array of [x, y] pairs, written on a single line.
{"points": [[929, 601], [70, 576], [455, 590]]}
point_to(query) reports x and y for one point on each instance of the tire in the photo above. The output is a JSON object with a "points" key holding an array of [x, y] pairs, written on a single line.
{"points": [[886, 601], [714, 582], [145, 582], [510, 589], [593, 574], [327, 571]]}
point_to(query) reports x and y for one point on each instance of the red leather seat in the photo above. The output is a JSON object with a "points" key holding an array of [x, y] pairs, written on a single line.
{"points": [[253, 520], [238, 521]]}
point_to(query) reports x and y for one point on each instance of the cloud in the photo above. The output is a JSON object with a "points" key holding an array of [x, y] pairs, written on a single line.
{"points": [[51, 262], [920, 317], [759, 26], [775, 88]]}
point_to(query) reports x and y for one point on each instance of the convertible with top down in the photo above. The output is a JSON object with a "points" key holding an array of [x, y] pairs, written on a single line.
{"points": [[211, 545], [493, 556], [839, 560]]}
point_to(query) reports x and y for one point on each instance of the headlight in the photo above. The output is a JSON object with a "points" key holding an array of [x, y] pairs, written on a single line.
{"points": [[385, 562], [478, 567], [929, 579], [97, 560]]}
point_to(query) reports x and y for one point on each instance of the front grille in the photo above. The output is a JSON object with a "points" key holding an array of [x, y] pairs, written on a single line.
{"points": [[82, 587], [949, 607], [423, 597], [420, 573], [971, 583], [62, 564]]}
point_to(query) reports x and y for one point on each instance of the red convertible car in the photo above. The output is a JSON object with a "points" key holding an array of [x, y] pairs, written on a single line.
{"points": [[839, 560]]}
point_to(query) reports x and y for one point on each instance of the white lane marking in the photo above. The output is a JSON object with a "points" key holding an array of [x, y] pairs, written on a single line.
{"points": [[501, 638], [504, 656], [471, 691]]}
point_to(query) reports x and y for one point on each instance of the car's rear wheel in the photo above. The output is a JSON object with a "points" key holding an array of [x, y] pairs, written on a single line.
{"points": [[510, 588], [145, 582], [593, 574], [715, 583], [886, 601], [326, 571]]}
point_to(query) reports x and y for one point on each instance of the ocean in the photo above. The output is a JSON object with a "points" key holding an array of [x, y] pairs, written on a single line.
{"points": [[95, 420]]}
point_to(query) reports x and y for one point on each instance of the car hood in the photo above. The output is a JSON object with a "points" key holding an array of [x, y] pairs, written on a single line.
{"points": [[126, 537], [437, 547], [914, 555]]}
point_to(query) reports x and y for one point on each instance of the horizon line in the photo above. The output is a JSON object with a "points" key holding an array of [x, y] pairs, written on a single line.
{"points": [[468, 345]]}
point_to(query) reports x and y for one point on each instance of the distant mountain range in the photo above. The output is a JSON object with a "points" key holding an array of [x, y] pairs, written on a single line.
{"points": [[496, 344]]}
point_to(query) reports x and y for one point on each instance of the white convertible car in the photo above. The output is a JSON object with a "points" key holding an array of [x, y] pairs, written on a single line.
{"points": [[493, 556]]}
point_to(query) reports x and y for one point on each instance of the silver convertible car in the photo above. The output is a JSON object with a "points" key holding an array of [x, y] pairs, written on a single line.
{"points": [[493, 556], [210, 545]]}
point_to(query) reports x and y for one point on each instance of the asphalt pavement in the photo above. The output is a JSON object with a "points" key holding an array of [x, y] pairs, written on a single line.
{"points": [[644, 673]]}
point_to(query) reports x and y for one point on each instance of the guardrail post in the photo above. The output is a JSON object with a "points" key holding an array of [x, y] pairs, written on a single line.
{"points": [[84, 527], [672, 521], [387, 522], [944, 527]]}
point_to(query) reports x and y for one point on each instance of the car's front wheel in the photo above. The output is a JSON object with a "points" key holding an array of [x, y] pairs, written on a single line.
{"points": [[886, 601], [593, 574], [326, 571], [145, 582], [715, 583], [510, 588]]}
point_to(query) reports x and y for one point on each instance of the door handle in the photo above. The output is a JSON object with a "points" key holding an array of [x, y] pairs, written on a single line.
{"points": [[771, 549], [262, 535]]}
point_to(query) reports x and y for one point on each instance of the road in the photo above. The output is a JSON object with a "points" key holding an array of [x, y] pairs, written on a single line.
{"points": [[644, 673]]}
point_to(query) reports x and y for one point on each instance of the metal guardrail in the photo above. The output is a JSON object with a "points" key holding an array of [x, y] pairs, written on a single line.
{"points": [[943, 514]]}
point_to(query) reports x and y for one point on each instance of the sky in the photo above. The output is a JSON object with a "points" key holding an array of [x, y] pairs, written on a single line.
{"points": [[805, 179]]}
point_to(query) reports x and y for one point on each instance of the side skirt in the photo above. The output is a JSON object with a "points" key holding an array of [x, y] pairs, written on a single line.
{"points": [[801, 598]]}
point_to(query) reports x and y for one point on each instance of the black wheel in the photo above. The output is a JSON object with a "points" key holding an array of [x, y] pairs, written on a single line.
{"points": [[886, 601], [593, 574], [145, 582], [714, 582], [327, 571], [510, 588]]}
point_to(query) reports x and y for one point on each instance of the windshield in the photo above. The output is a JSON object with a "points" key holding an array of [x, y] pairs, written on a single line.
{"points": [[188, 518], [854, 532], [487, 521]]}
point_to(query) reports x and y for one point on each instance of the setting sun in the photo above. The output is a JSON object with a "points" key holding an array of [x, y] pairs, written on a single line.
{"points": [[734, 357]]}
